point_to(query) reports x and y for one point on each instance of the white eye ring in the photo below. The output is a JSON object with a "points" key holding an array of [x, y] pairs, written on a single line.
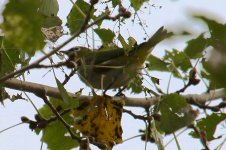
{"points": [[77, 48]]}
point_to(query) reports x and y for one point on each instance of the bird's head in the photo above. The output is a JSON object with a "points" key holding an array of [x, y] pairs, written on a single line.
{"points": [[72, 53], [76, 53]]}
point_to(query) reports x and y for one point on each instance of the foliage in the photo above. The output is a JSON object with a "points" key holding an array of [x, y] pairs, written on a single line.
{"points": [[20, 25], [174, 109], [30, 30], [56, 129], [9, 59], [105, 35], [77, 15], [209, 125], [101, 119]]}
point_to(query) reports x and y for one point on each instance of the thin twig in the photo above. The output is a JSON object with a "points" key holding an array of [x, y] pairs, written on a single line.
{"points": [[185, 129], [177, 142], [34, 64], [67, 126], [219, 147], [134, 115], [168, 85], [192, 80], [52, 119], [11, 127], [212, 108], [69, 76], [29, 99], [133, 137], [43, 122], [51, 65], [42, 142], [201, 135]]}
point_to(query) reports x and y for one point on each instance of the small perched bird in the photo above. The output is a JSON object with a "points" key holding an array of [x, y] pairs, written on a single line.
{"points": [[114, 68]]}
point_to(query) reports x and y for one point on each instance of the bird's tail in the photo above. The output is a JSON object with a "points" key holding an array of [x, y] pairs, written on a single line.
{"points": [[159, 35], [144, 49]]}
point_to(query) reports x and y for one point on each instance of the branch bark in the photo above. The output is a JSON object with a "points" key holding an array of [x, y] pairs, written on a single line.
{"points": [[129, 101]]}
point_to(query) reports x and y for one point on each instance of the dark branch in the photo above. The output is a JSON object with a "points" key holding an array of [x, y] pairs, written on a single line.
{"points": [[69, 76], [134, 115], [201, 135], [67, 126]]}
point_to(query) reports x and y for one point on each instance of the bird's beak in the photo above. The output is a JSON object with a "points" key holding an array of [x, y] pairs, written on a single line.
{"points": [[64, 52]]}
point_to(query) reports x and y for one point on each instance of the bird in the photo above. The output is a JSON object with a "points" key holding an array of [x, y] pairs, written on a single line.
{"points": [[113, 68]]}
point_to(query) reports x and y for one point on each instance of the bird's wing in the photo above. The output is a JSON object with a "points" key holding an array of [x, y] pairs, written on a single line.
{"points": [[104, 57]]}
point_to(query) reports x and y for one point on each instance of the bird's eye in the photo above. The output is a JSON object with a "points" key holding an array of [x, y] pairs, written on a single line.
{"points": [[76, 48]]}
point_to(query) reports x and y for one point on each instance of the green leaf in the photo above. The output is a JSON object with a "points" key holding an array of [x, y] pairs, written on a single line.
{"points": [[3, 95], [136, 85], [46, 112], [127, 47], [106, 35], [155, 80], [136, 4], [55, 134], [156, 64], [180, 59], [115, 3], [23, 26], [217, 72], [213, 84], [174, 70], [124, 44], [106, 12], [209, 125], [56, 139], [63, 91], [77, 16], [108, 47], [8, 60], [205, 74], [175, 113], [72, 103], [1, 41], [49, 8], [132, 41], [51, 22], [215, 64], [217, 31], [196, 46]]}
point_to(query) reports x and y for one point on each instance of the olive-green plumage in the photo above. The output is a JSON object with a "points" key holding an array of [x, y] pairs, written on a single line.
{"points": [[113, 68]]}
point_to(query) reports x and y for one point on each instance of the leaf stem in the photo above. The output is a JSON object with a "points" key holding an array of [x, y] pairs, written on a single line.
{"points": [[11, 127]]}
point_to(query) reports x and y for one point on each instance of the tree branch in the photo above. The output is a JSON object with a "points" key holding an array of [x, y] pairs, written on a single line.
{"points": [[67, 126], [131, 102], [85, 26], [202, 136], [34, 64]]}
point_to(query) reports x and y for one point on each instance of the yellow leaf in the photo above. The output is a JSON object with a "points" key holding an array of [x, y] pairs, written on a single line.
{"points": [[100, 119]]}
